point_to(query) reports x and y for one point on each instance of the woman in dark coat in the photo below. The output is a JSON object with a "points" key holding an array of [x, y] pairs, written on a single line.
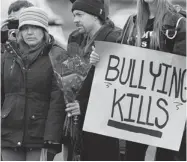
{"points": [[33, 105], [157, 26], [160, 27]]}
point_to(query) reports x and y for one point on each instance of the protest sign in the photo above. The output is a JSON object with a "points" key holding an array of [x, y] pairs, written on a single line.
{"points": [[138, 95]]}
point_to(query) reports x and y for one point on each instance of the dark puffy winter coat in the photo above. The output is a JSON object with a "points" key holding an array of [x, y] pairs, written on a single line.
{"points": [[95, 147], [32, 104]]}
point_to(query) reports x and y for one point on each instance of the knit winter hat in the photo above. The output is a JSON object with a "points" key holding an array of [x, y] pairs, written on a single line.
{"points": [[93, 7], [34, 16]]}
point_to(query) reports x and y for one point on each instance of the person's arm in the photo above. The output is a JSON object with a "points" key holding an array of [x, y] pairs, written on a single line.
{"points": [[56, 115], [84, 93], [2, 79]]}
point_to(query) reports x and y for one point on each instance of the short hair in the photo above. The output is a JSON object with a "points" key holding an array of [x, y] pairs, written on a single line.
{"points": [[17, 5]]}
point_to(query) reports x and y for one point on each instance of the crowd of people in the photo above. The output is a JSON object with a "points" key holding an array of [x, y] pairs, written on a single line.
{"points": [[33, 106]]}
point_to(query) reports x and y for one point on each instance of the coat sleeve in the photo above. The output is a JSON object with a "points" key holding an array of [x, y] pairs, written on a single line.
{"points": [[114, 35], [180, 39], [56, 114], [2, 78], [84, 94]]}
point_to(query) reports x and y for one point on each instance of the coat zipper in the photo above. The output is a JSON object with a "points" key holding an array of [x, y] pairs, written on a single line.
{"points": [[24, 71]]}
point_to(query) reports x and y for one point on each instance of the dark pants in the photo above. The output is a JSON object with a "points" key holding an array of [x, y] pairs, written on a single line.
{"points": [[135, 151], [99, 148]]}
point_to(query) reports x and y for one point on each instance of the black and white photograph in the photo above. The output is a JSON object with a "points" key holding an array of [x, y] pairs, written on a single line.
{"points": [[93, 80]]}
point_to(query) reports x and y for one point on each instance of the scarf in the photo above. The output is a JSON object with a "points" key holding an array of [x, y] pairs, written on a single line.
{"points": [[28, 54]]}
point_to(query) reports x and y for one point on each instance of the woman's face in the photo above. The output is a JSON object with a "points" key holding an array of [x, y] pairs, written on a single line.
{"points": [[32, 35]]}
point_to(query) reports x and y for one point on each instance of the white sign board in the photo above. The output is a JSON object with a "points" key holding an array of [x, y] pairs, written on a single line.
{"points": [[138, 95]]}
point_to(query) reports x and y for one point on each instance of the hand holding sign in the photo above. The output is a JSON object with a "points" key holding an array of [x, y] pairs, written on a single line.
{"points": [[94, 57]]}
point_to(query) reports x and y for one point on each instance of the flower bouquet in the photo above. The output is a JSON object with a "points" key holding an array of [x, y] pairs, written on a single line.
{"points": [[70, 74]]}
